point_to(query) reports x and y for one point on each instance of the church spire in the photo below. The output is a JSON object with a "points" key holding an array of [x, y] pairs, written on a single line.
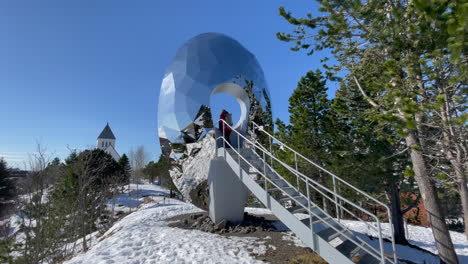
{"points": [[106, 133]]}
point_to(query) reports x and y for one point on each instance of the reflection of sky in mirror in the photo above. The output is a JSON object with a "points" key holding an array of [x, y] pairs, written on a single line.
{"points": [[199, 66]]}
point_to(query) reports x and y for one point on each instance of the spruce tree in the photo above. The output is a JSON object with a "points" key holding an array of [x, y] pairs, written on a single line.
{"points": [[310, 125]]}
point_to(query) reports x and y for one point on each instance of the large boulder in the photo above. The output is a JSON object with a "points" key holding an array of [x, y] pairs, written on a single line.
{"points": [[190, 172]]}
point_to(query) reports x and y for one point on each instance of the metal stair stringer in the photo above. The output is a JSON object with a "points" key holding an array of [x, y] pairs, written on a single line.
{"points": [[299, 228]]}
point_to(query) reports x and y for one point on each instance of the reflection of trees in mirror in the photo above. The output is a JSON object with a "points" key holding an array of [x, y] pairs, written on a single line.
{"points": [[160, 171], [201, 124], [262, 117]]}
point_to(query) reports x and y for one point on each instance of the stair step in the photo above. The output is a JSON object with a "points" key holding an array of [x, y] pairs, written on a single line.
{"points": [[284, 189], [329, 233], [260, 181], [297, 209], [315, 219], [287, 198], [367, 259], [348, 248], [280, 182]]}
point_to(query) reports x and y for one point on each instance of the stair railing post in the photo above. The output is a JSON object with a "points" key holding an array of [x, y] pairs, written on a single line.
{"points": [[297, 174], [382, 254], [224, 141], [336, 199], [390, 222], [238, 154], [216, 149], [310, 215], [264, 172], [271, 153]]}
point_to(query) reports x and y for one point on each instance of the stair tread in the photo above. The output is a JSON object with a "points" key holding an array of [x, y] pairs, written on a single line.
{"points": [[369, 259], [296, 209], [329, 233], [281, 189], [315, 219], [286, 197], [348, 248]]}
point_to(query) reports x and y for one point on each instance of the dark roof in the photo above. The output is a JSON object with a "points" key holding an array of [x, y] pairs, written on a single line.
{"points": [[107, 133]]}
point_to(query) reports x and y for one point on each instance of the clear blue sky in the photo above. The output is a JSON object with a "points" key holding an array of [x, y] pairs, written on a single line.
{"points": [[68, 67]]}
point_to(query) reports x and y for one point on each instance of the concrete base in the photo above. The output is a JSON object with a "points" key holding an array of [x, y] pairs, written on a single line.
{"points": [[228, 194]]}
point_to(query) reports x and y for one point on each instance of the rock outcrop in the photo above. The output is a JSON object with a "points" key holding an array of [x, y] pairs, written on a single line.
{"points": [[190, 171]]}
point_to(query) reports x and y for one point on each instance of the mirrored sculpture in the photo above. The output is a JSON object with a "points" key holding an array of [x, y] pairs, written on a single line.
{"points": [[205, 65]]}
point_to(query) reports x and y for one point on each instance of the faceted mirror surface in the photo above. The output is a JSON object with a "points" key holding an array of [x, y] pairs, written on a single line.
{"points": [[205, 65]]}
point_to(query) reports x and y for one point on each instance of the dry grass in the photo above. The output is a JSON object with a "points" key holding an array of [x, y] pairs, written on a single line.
{"points": [[148, 199], [307, 258]]}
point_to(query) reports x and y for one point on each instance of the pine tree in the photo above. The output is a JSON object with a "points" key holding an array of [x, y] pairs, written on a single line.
{"points": [[418, 49], [372, 156]]}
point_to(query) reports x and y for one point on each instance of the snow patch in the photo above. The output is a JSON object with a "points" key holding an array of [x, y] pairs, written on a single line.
{"points": [[142, 237]]}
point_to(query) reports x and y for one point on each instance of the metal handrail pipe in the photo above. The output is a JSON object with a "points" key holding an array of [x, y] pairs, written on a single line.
{"points": [[320, 167], [340, 180], [308, 179], [305, 207], [304, 176]]}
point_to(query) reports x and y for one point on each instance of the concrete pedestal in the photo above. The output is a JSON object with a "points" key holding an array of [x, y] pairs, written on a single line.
{"points": [[228, 194]]}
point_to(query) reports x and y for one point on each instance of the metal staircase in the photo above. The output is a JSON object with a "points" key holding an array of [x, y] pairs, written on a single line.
{"points": [[293, 203]]}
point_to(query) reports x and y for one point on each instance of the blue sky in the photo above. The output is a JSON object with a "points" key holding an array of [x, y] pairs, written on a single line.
{"points": [[68, 67]]}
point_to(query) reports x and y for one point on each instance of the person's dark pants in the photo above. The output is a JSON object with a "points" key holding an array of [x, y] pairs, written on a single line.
{"points": [[227, 135]]}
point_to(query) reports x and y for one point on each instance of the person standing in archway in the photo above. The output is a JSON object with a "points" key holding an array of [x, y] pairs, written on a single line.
{"points": [[227, 117]]}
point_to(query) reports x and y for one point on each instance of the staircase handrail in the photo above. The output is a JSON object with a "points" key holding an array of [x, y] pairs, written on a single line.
{"points": [[334, 177], [360, 244], [307, 179], [323, 169]]}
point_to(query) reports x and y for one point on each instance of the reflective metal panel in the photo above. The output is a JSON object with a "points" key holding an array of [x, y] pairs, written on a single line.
{"points": [[207, 64]]}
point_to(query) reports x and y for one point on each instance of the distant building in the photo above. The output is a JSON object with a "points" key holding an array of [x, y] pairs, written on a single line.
{"points": [[106, 142]]}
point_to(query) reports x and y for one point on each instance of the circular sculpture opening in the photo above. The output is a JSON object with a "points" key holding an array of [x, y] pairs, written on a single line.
{"points": [[206, 65], [241, 97]]}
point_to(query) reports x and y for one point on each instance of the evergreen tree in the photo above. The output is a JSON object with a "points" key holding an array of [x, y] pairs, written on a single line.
{"points": [[160, 171], [151, 171], [6, 185], [310, 125], [418, 49], [371, 156], [124, 164]]}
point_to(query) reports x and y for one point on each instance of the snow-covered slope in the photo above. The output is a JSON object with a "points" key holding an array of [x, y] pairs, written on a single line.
{"points": [[418, 236], [143, 237]]}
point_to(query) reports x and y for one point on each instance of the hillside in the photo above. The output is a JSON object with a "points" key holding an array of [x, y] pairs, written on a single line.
{"points": [[144, 237]]}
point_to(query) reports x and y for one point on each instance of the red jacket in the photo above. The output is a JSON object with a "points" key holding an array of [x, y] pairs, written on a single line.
{"points": [[223, 117]]}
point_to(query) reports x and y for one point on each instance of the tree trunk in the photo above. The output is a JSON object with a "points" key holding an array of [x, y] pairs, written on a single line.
{"points": [[431, 202], [461, 179], [464, 201], [397, 216], [454, 153]]}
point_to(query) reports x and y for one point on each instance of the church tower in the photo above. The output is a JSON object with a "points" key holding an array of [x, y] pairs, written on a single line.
{"points": [[106, 142]]}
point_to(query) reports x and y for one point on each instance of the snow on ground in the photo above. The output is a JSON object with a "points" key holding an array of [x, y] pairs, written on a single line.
{"points": [[11, 224], [142, 237], [134, 196], [418, 236]]}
